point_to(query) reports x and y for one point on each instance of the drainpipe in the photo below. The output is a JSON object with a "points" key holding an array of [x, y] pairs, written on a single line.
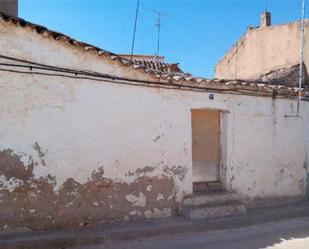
{"points": [[301, 78], [300, 82]]}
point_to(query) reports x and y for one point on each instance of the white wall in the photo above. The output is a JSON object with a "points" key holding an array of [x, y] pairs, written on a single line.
{"points": [[70, 130], [83, 125], [266, 153]]}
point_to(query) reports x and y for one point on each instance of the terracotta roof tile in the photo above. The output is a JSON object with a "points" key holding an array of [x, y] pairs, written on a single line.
{"points": [[161, 71]]}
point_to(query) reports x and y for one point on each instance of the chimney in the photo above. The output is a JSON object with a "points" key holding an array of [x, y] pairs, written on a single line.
{"points": [[265, 19], [9, 7]]}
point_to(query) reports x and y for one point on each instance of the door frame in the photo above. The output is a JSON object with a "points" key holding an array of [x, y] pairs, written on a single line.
{"points": [[223, 137]]}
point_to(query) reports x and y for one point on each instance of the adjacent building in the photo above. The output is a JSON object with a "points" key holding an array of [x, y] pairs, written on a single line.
{"points": [[267, 51]]}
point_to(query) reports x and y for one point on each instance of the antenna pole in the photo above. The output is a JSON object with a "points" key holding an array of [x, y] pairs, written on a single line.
{"points": [[158, 42], [301, 54], [134, 31], [266, 5], [158, 24]]}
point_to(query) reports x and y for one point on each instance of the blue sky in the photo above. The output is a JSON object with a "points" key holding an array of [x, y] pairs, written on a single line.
{"points": [[197, 36]]}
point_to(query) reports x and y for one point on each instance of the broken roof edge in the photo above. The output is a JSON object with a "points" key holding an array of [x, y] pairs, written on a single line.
{"points": [[175, 79], [58, 36]]}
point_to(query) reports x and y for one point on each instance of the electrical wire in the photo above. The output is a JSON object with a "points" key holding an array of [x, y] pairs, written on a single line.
{"points": [[90, 75]]}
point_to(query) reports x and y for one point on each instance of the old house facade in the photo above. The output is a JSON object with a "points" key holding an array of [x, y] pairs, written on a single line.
{"points": [[89, 137], [265, 49]]}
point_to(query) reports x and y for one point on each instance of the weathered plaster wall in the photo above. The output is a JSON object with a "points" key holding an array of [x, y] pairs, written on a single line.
{"points": [[262, 50], [77, 152], [263, 148]]}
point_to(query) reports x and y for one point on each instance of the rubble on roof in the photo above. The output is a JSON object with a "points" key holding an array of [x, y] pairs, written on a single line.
{"points": [[143, 57], [287, 76], [155, 63], [159, 66]]}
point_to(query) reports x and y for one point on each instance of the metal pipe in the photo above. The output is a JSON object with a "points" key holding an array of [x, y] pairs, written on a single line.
{"points": [[300, 82], [158, 41], [134, 31]]}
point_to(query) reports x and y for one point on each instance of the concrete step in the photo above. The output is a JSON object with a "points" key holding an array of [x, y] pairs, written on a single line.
{"points": [[210, 197], [214, 210], [207, 186]]}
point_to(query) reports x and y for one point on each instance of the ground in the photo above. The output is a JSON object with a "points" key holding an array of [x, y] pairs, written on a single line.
{"points": [[275, 227], [286, 234]]}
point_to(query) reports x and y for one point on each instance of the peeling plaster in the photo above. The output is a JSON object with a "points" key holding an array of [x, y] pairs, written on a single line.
{"points": [[149, 188], [176, 170], [41, 155], [10, 183], [36, 204], [160, 197], [139, 201], [138, 172]]}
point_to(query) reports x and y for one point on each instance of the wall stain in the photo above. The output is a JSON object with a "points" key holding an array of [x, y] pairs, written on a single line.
{"points": [[176, 170], [12, 166], [145, 170], [157, 138], [36, 205], [41, 155]]}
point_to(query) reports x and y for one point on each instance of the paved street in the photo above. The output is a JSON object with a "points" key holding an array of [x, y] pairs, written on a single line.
{"points": [[287, 234]]}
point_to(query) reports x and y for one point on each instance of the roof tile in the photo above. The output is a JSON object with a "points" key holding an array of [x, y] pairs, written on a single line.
{"points": [[161, 70]]}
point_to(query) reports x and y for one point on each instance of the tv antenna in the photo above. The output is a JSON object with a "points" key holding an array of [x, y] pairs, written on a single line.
{"points": [[134, 30], [266, 5], [158, 24]]}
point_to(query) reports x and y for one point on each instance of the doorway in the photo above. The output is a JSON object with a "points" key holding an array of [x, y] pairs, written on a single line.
{"points": [[205, 147]]}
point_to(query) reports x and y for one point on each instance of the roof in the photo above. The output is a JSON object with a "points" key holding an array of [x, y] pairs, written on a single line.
{"points": [[171, 78], [288, 76], [145, 57], [153, 62]]}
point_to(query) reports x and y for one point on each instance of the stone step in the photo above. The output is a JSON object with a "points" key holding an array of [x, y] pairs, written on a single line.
{"points": [[207, 186], [197, 199], [209, 211]]}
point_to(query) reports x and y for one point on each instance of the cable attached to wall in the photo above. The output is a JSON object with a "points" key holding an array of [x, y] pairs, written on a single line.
{"points": [[90, 75]]}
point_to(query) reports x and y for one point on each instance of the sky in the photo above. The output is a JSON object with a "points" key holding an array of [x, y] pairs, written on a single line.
{"points": [[195, 33]]}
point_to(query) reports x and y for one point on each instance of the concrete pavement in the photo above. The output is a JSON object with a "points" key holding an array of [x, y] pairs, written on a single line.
{"points": [[287, 234], [132, 231]]}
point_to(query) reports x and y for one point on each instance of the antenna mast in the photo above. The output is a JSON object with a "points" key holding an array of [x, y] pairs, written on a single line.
{"points": [[158, 24], [134, 31]]}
